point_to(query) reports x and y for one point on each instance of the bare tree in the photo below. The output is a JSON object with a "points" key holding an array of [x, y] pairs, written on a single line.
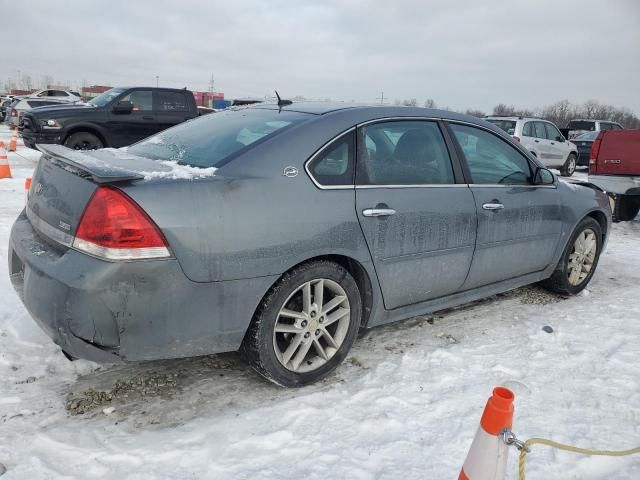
{"points": [[475, 113], [430, 103], [410, 103]]}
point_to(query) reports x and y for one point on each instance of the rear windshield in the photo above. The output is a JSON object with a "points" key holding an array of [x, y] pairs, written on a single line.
{"points": [[213, 139], [581, 125], [508, 126], [587, 136]]}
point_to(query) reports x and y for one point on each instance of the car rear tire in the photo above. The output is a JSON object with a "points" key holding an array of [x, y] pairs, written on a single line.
{"points": [[579, 260], [83, 141], [569, 166], [305, 325], [626, 208]]}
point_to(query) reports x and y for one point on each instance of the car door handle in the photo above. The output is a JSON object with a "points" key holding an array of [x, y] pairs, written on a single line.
{"points": [[537, 141], [378, 212], [147, 117], [493, 206], [552, 143]]}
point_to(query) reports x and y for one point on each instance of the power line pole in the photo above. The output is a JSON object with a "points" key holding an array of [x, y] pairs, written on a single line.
{"points": [[211, 84], [381, 98]]}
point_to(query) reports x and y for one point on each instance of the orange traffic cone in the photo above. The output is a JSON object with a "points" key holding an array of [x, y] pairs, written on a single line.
{"points": [[13, 143], [27, 187], [5, 170], [487, 457]]}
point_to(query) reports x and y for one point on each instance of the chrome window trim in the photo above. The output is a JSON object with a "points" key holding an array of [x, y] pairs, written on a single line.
{"points": [[513, 185], [318, 152], [48, 230], [430, 185]]}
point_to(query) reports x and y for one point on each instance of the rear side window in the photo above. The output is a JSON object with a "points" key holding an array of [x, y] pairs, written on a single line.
{"points": [[539, 131], [403, 153], [170, 102], [334, 165], [490, 159], [213, 140], [581, 125], [528, 130]]}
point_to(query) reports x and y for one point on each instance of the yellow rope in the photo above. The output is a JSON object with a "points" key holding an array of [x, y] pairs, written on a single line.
{"points": [[568, 448]]}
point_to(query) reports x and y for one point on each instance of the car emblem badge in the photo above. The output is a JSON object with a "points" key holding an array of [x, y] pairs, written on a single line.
{"points": [[290, 172], [39, 188]]}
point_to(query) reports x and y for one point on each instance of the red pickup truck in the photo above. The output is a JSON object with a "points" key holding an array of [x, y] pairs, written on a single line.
{"points": [[614, 166]]}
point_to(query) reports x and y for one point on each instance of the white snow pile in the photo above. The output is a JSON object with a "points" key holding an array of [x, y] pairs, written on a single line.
{"points": [[405, 404], [178, 171]]}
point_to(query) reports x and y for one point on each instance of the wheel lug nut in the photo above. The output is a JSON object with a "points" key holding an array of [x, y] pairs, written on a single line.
{"points": [[304, 323], [321, 320], [307, 335], [317, 332], [313, 314]]}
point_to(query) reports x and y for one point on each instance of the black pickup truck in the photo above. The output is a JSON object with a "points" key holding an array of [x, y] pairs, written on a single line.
{"points": [[118, 117]]}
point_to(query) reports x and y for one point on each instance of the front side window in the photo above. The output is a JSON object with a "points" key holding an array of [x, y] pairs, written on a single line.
{"points": [[213, 140], [58, 93], [166, 101], [141, 99], [491, 160], [334, 165], [104, 98], [403, 153], [552, 132]]}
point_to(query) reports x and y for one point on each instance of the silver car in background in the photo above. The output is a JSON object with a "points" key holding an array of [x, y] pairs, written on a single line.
{"points": [[15, 111], [281, 230]]}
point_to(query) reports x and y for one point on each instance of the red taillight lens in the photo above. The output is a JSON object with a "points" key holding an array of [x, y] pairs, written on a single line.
{"points": [[595, 149], [114, 227], [14, 112], [517, 139]]}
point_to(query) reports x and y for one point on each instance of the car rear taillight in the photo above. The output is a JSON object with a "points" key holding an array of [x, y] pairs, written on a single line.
{"points": [[14, 112], [517, 139], [595, 150], [114, 227]]}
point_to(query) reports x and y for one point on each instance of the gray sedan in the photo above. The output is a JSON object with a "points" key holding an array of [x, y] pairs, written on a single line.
{"points": [[280, 230]]}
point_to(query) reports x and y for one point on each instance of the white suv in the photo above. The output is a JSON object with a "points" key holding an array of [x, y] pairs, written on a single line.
{"points": [[542, 139], [61, 95]]}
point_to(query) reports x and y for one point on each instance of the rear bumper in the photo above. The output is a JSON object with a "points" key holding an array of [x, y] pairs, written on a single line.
{"points": [[111, 311], [618, 184]]}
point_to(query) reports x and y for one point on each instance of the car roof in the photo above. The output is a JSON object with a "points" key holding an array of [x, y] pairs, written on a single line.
{"points": [[515, 118], [371, 111]]}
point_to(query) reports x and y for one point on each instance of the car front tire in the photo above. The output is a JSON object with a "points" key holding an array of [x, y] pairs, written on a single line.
{"points": [[83, 141], [569, 166], [305, 325], [579, 260]]}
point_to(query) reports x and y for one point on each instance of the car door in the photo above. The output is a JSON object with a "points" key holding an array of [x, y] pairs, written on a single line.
{"points": [[519, 223], [128, 128], [544, 152], [558, 148], [171, 108], [419, 224]]}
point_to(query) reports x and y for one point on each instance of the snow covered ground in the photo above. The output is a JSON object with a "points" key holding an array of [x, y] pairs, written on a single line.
{"points": [[406, 403]]}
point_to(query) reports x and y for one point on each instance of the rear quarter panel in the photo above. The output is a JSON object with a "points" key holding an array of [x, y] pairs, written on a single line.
{"points": [[252, 221]]}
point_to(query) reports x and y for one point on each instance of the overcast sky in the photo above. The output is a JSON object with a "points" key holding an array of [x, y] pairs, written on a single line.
{"points": [[463, 54]]}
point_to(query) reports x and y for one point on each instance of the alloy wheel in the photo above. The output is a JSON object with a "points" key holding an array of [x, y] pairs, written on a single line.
{"points": [[311, 325], [582, 257]]}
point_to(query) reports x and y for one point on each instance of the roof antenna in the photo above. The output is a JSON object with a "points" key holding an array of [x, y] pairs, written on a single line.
{"points": [[281, 102]]}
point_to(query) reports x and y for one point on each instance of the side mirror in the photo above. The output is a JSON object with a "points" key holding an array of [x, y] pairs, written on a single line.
{"points": [[543, 176], [123, 107], [560, 139]]}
